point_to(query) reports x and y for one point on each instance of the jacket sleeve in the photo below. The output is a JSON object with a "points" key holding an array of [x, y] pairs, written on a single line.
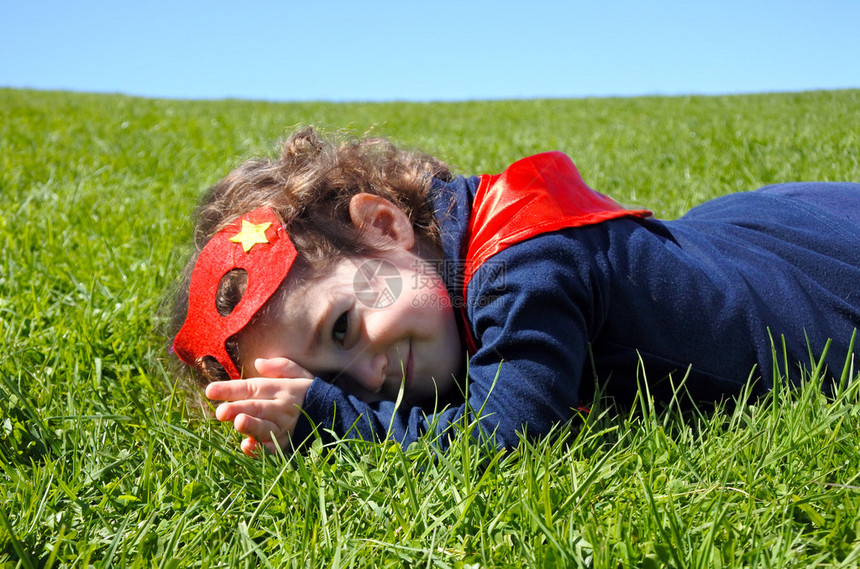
{"points": [[533, 309]]}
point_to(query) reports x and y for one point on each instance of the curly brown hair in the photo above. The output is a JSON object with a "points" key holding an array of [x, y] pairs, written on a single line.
{"points": [[309, 187]]}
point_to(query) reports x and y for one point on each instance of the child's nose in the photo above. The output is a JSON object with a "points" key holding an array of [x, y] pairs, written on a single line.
{"points": [[370, 373]]}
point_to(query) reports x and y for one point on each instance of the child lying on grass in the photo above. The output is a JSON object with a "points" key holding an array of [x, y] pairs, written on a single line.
{"points": [[330, 282]]}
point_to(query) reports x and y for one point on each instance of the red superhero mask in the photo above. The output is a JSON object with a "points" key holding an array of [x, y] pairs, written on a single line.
{"points": [[255, 243]]}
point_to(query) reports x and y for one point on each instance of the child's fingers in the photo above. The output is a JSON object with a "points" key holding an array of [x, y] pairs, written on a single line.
{"points": [[271, 409], [236, 390], [259, 408], [259, 429], [250, 446], [255, 388], [280, 367]]}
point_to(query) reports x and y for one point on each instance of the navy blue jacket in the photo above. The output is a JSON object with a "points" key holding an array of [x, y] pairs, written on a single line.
{"points": [[631, 300]]}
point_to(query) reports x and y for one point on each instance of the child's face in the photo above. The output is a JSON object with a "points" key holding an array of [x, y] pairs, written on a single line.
{"points": [[348, 329]]}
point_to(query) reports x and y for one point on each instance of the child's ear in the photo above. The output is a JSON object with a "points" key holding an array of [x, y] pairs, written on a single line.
{"points": [[380, 221]]}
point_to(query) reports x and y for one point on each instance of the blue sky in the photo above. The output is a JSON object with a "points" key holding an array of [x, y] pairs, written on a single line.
{"points": [[446, 50]]}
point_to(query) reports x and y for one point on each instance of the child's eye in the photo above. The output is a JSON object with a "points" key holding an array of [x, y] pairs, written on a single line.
{"points": [[341, 327]]}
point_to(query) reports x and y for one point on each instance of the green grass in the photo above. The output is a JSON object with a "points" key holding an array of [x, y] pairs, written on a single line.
{"points": [[102, 464]]}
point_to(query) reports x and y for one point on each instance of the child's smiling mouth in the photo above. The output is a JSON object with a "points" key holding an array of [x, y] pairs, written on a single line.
{"points": [[410, 365], [403, 378], [404, 375]]}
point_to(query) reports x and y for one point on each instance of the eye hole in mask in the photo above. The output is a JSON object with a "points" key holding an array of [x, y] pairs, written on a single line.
{"points": [[231, 289]]}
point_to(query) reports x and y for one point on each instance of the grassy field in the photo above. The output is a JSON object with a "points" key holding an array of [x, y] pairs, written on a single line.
{"points": [[103, 464]]}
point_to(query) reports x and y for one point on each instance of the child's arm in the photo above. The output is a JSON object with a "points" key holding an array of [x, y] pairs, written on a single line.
{"points": [[533, 322]]}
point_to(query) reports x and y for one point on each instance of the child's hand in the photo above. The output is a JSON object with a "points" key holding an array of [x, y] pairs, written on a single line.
{"points": [[266, 408]]}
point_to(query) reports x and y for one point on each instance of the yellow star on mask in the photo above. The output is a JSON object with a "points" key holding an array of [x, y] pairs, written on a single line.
{"points": [[251, 234]]}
